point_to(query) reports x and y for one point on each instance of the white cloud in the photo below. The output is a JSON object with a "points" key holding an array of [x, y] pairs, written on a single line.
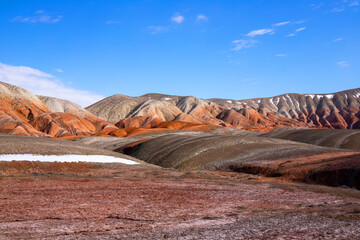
{"points": [[42, 83], [113, 22], [242, 43], [316, 6], [343, 64], [338, 39], [157, 29], [297, 30], [281, 23], [338, 9], [354, 3], [177, 18], [300, 29], [39, 17], [59, 70], [260, 32], [344, 5], [201, 17], [280, 55]]}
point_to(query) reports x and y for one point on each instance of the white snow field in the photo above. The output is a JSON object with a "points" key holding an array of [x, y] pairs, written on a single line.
{"points": [[66, 158]]}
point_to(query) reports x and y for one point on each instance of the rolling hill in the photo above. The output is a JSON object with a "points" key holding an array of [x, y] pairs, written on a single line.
{"points": [[337, 110]]}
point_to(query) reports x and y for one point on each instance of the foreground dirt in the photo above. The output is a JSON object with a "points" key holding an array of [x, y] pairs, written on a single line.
{"points": [[110, 201]]}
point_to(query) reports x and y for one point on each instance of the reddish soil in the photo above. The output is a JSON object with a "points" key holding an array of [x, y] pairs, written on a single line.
{"points": [[332, 169], [110, 201]]}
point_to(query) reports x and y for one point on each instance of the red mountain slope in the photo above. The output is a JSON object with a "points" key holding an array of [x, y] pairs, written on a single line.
{"points": [[338, 110], [23, 113]]}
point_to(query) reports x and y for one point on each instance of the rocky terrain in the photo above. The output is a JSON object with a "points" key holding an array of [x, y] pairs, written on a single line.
{"points": [[23, 113], [332, 110], [336, 110], [245, 153], [110, 201], [338, 138], [186, 168], [64, 106]]}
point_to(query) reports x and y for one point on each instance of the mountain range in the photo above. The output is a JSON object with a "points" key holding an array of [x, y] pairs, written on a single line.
{"points": [[337, 110], [123, 163], [24, 113]]}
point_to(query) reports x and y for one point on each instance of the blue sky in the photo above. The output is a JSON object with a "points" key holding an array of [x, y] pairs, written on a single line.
{"points": [[86, 50]]}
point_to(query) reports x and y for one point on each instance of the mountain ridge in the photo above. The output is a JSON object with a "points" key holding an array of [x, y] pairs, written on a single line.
{"points": [[330, 110]]}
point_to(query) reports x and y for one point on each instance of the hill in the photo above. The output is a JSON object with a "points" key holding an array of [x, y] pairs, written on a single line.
{"points": [[339, 110], [270, 157]]}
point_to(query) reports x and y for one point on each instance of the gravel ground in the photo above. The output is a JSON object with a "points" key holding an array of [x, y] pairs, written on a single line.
{"points": [[111, 201]]}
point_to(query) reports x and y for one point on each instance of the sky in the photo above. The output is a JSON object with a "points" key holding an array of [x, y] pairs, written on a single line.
{"points": [[84, 51]]}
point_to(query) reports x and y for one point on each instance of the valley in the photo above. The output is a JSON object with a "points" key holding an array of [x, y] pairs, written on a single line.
{"points": [[162, 166]]}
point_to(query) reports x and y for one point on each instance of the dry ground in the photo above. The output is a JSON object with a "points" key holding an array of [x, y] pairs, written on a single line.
{"points": [[338, 138], [112, 201]]}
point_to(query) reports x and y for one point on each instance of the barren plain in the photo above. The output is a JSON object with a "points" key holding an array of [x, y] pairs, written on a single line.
{"points": [[112, 201]]}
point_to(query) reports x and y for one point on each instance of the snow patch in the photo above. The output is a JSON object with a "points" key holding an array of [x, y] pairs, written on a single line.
{"points": [[271, 100], [329, 95], [229, 101], [290, 99], [66, 158], [297, 103], [167, 99], [277, 100]]}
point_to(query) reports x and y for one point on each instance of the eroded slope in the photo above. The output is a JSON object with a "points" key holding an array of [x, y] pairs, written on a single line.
{"points": [[270, 157]]}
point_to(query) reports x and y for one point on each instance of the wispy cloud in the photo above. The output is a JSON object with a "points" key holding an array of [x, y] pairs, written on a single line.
{"points": [[157, 29], [202, 17], [247, 43], [343, 64], [280, 55], [42, 83], [354, 3], [296, 31], [281, 24], [59, 70], [338, 39], [39, 17], [243, 43], [316, 5], [300, 29], [177, 18], [113, 22], [260, 32], [343, 5], [338, 9]]}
